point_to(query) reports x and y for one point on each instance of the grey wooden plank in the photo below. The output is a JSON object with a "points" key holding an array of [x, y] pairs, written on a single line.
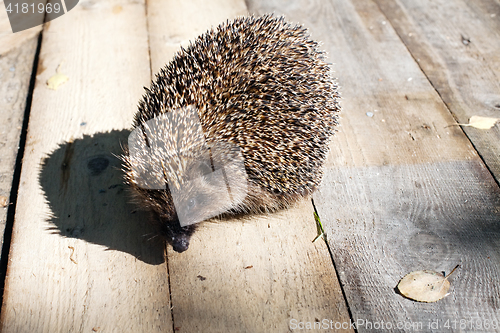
{"points": [[457, 45], [80, 259], [15, 73], [402, 191], [385, 221]]}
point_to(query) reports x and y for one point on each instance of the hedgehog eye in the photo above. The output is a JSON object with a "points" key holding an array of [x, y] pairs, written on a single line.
{"points": [[191, 203]]}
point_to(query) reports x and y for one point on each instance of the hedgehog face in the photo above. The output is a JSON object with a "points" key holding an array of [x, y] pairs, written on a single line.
{"points": [[198, 194], [164, 217], [188, 187]]}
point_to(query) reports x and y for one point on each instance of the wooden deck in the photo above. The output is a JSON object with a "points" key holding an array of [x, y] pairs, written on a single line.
{"points": [[405, 188]]}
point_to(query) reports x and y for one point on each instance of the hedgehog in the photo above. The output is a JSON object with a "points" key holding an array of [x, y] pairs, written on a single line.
{"points": [[239, 122]]}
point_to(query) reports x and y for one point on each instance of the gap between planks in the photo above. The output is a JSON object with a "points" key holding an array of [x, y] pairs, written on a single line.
{"points": [[402, 190], [251, 276], [101, 274]]}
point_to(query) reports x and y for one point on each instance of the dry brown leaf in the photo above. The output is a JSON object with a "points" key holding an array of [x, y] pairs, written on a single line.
{"points": [[481, 122], [4, 201], [424, 286]]}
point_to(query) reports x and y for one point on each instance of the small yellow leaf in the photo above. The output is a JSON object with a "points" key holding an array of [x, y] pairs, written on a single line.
{"points": [[424, 286], [56, 80], [481, 122]]}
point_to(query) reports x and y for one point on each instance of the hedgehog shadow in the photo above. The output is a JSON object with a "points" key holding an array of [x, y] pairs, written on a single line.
{"points": [[83, 186]]}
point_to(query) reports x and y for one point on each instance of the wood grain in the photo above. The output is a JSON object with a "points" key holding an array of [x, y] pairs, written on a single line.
{"points": [[402, 191], [15, 73], [173, 23], [457, 45], [256, 275], [16, 61], [79, 261], [259, 275]]}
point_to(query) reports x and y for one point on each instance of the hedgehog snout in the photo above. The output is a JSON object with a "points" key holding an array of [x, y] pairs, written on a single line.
{"points": [[180, 243], [176, 235]]}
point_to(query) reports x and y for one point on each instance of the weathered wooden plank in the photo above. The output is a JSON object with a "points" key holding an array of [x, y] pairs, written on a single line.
{"points": [[262, 274], [173, 23], [457, 45], [259, 275], [16, 61], [79, 261], [391, 220], [402, 191], [15, 73]]}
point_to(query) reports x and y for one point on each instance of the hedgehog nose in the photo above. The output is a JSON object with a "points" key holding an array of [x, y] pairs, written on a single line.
{"points": [[180, 244]]}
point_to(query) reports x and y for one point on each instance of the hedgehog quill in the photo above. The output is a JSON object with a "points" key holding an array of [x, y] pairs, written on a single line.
{"points": [[237, 123]]}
